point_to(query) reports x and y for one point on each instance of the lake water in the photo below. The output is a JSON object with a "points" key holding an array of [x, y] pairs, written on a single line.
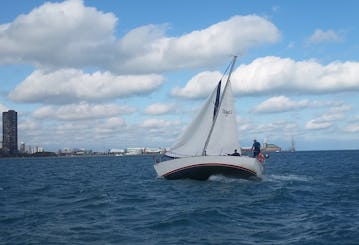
{"points": [[304, 198]]}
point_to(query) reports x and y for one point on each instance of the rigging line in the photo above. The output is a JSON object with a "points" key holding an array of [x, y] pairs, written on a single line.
{"points": [[225, 72]]}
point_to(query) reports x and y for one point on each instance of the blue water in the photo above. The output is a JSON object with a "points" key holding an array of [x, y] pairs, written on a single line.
{"points": [[304, 198]]}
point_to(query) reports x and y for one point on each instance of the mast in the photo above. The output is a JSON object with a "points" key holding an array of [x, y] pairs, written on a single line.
{"points": [[232, 66], [220, 103]]}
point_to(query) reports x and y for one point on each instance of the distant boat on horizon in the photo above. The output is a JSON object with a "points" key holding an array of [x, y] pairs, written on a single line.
{"points": [[292, 149]]}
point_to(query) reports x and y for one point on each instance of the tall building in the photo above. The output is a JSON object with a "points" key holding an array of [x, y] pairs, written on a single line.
{"points": [[9, 131]]}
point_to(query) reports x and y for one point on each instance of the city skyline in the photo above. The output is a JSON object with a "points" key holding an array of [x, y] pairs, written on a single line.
{"points": [[101, 75], [10, 144]]}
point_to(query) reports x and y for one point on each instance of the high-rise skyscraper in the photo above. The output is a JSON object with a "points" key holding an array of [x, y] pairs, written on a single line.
{"points": [[9, 132]]}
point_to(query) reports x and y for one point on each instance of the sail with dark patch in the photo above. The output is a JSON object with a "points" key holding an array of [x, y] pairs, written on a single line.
{"points": [[216, 103], [214, 130]]}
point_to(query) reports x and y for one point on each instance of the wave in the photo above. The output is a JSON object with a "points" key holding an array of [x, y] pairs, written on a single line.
{"points": [[289, 177], [225, 179]]}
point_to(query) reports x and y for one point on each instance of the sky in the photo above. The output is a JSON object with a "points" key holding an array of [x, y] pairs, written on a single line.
{"points": [[114, 74]]}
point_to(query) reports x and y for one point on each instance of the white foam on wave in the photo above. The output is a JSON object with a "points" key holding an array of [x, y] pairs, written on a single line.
{"points": [[290, 177], [224, 179]]}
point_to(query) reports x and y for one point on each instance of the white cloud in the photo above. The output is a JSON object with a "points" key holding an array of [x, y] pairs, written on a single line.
{"points": [[99, 133], [58, 34], [327, 120], [29, 126], [244, 124], [3, 108], [353, 125], [275, 75], [148, 48], [276, 128], [70, 34], [82, 111], [199, 86], [233, 36], [159, 109], [70, 85], [280, 130], [280, 104], [283, 104], [110, 126], [158, 131], [352, 128], [318, 124], [158, 123], [320, 36]]}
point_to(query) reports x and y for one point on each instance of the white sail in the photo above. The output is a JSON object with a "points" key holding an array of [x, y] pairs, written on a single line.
{"points": [[203, 149], [214, 130], [224, 137], [192, 141]]}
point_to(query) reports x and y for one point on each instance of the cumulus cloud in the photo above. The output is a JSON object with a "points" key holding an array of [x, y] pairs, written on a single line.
{"points": [[159, 109], [158, 123], [199, 86], [320, 36], [157, 130], [148, 49], [327, 120], [277, 127], [82, 111], [70, 34], [70, 85], [352, 128], [275, 75], [210, 45], [280, 104], [58, 34], [110, 125], [272, 129], [318, 123], [57, 134]]}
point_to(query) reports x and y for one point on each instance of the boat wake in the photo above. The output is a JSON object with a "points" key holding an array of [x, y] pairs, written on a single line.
{"points": [[290, 177], [225, 179]]}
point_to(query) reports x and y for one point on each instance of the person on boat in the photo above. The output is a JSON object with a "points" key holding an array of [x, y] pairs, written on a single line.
{"points": [[235, 153], [256, 148]]}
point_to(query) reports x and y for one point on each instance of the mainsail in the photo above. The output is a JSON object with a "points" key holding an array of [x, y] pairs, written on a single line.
{"points": [[214, 130], [224, 137]]}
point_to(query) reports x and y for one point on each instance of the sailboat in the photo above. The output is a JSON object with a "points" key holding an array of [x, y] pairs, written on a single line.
{"points": [[207, 145]]}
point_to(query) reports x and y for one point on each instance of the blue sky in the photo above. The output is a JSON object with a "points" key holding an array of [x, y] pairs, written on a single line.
{"points": [[116, 74]]}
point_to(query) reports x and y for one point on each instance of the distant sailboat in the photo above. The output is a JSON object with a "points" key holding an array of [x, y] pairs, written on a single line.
{"points": [[292, 149], [205, 147]]}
